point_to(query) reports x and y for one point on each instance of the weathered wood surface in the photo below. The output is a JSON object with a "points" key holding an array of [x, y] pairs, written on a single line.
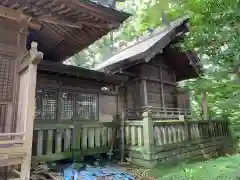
{"points": [[61, 98], [149, 141], [158, 113], [58, 141]]}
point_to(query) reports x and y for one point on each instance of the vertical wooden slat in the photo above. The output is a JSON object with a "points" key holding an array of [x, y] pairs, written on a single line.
{"points": [[159, 135], [67, 140], [164, 132], [97, 137], [174, 129], [169, 134], [40, 142], [49, 141], [90, 137], [77, 138], [104, 136], [58, 141], [220, 129], [127, 134], [84, 138], [109, 135], [179, 133], [133, 135], [140, 136], [155, 135], [186, 130]]}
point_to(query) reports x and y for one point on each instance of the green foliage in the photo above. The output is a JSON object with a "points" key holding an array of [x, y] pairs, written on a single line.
{"points": [[214, 35], [223, 168]]}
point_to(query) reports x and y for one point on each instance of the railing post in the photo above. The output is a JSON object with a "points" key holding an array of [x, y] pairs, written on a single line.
{"points": [[148, 137], [26, 105]]}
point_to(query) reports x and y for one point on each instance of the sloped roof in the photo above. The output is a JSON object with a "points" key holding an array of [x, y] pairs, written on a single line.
{"points": [[55, 38], [146, 48], [63, 69]]}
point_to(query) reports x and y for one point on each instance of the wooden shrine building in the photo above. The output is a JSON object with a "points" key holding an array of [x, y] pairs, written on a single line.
{"points": [[52, 30], [50, 111], [158, 126], [154, 65]]}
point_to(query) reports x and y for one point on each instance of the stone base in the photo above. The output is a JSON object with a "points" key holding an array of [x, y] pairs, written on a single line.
{"points": [[188, 151]]}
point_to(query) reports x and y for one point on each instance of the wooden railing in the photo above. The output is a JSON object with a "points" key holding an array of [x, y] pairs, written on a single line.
{"points": [[158, 113], [134, 134], [173, 132], [141, 135], [58, 141]]}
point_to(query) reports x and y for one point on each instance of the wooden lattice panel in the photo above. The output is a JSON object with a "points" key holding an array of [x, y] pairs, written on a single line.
{"points": [[67, 105], [88, 106], [46, 104], [6, 77], [82, 106]]}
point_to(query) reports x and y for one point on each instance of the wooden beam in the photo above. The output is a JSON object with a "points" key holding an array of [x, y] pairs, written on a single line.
{"points": [[79, 23], [17, 16]]}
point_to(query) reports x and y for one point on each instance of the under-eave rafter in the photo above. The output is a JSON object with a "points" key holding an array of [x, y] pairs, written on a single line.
{"points": [[35, 23], [14, 15]]}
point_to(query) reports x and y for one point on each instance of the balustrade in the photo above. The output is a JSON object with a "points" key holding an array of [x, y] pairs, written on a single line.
{"points": [[58, 141], [158, 113]]}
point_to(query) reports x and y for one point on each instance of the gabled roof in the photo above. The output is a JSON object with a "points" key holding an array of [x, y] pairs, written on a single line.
{"points": [[146, 48], [67, 26]]}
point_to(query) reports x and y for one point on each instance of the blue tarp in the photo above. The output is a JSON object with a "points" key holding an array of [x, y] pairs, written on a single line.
{"points": [[94, 173]]}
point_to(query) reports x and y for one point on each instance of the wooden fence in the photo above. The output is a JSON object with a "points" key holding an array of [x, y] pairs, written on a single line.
{"points": [[145, 139], [57, 141], [149, 141], [171, 132]]}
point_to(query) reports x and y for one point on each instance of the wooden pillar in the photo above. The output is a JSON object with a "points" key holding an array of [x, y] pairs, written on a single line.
{"points": [[204, 106], [122, 132], [144, 95], [147, 129], [28, 73], [162, 88]]}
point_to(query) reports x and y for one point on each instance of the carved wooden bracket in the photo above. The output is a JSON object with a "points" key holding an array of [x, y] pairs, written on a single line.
{"points": [[32, 57]]}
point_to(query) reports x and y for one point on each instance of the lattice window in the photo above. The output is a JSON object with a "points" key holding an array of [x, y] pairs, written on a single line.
{"points": [[68, 105], [87, 106], [46, 104], [6, 77]]}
